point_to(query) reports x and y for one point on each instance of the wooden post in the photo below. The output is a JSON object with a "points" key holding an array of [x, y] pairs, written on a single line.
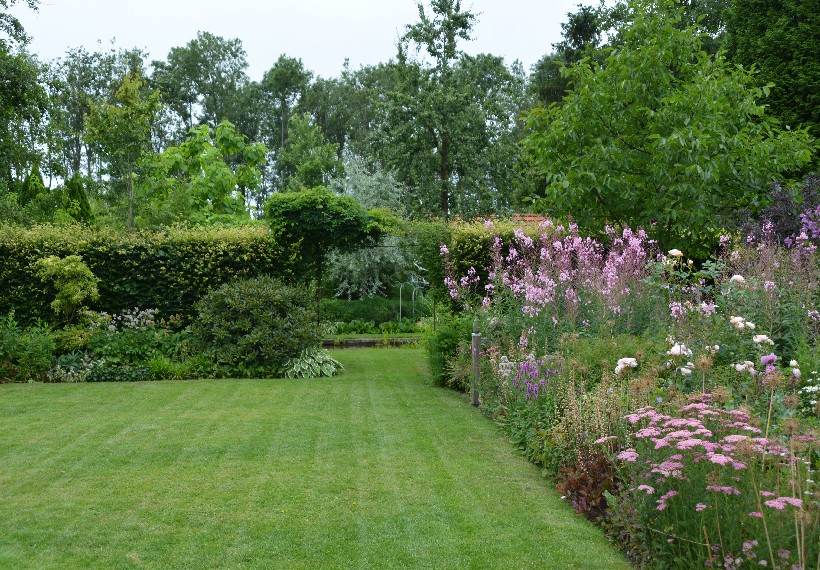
{"points": [[476, 362]]}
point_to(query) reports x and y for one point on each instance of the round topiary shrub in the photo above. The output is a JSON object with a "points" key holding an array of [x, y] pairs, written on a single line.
{"points": [[253, 327]]}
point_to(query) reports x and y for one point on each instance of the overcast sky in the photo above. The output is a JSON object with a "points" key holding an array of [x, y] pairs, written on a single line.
{"points": [[320, 32]]}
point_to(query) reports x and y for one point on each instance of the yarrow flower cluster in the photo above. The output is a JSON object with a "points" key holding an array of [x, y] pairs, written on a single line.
{"points": [[701, 434]]}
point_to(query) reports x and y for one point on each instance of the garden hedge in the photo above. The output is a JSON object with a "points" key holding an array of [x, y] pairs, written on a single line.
{"points": [[168, 270]]}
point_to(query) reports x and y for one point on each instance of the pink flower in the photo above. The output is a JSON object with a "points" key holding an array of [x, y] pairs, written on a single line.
{"points": [[648, 432], [768, 359], [756, 514], [606, 438], [775, 504], [723, 489], [700, 507], [628, 455], [718, 458], [767, 494], [649, 490]]}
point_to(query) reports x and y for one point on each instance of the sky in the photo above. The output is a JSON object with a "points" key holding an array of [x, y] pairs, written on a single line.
{"points": [[320, 32]]}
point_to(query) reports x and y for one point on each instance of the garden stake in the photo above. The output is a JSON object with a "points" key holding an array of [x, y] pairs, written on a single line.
{"points": [[476, 367]]}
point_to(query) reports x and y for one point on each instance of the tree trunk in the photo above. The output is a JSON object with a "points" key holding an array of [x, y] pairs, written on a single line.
{"points": [[444, 175]]}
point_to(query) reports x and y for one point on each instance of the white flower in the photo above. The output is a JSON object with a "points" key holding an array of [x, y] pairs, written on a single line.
{"points": [[679, 350], [750, 325], [736, 320], [793, 363], [628, 362], [737, 279], [685, 371], [675, 253], [762, 339], [740, 367]]}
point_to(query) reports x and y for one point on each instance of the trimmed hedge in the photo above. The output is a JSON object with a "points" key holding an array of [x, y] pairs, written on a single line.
{"points": [[168, 270], [372, 309]]}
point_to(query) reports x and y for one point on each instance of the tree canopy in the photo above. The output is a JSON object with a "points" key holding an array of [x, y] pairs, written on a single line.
{"points": [[660, 135]]}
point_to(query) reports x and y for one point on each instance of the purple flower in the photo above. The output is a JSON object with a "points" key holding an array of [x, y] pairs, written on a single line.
{"points": [[768, 359]]}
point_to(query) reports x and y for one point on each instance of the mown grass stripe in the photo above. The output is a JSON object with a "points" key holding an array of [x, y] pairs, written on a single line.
{"points": [[372, 469]]}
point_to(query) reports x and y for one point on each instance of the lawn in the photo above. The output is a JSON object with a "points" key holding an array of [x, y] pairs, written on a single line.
{"points": [[372, 469]]}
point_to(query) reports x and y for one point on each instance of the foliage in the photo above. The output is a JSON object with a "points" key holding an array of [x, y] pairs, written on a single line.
{"points": [[780, 39], [168, 270], [121, 132], [25, 353], [313, 363], [376, 309], [78, 204], [211, 177], [317, 222], [134, 337], [661, 136], [307, 160], [702, 447], [448, 130], [443, 344], [23, 103], [369, 272], [255, 326], [73, 280]]}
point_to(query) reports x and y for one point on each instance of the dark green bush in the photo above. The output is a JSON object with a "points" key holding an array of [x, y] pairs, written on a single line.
{"points": [[253, 327], [443, 344]]}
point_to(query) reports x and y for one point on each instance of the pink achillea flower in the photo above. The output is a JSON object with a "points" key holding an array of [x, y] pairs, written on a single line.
{"points": [[780, 503], [649, 490], [628, 455], [719, 458], [756, 514], [648, 432], [723, 489], [700, 507], [606, 438], [767, 494]]}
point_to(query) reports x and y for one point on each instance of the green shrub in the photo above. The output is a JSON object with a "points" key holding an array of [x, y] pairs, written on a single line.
{"points": [[25, 354], [253, 327], [73, 280], [443, 345]]}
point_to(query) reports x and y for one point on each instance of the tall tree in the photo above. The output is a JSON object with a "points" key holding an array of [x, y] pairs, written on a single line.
{"points": [[10, 26], [284, 84], [74, 81], [781, 38], [202, 81], [307, 160], [446, 122], [661, 134], [121, 132]]}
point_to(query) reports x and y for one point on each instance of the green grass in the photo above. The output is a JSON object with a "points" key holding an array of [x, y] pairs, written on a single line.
{"points": [[372, 469]]}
